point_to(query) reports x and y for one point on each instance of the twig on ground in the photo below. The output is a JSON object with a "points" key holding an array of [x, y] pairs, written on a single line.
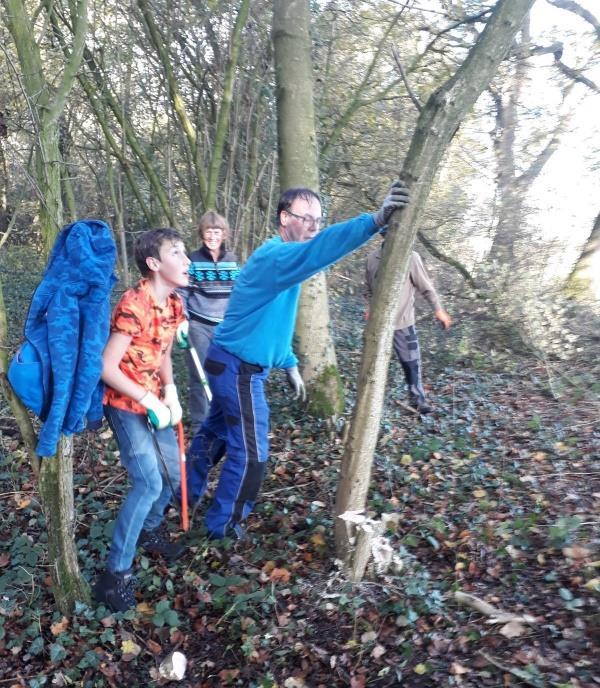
{"points": [[496, 615], [284, 489], [519, 673]]}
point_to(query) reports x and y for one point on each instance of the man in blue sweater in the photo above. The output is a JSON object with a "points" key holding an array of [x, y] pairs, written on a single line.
{"points": [[256, 335]]}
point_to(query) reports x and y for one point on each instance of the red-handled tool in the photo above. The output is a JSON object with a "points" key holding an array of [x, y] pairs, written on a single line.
{"points": [[185, 521]]}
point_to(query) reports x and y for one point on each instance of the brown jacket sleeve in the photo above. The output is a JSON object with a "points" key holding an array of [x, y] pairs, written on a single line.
{"points": [[422, 281]]}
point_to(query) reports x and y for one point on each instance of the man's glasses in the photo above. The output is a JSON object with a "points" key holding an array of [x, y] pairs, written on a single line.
{"points": [[307, 220]]}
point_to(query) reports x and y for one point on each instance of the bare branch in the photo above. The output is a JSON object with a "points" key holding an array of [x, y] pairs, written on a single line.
{"points": [[413, 96], [436, 253], [576, 75], [576, 8]]}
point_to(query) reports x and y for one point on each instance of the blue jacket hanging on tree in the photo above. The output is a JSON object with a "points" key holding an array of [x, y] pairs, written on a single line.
{"points": [[57, 372]]}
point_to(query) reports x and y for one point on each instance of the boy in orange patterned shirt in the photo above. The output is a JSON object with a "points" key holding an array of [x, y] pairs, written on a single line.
{"points": [[138, 375]]}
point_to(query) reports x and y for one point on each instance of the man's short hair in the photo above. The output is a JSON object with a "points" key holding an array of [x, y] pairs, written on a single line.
{"points": [[148, 245], [211, 220], [288, 197]]}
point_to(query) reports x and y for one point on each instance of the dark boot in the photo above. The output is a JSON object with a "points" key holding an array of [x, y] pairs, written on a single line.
{"points": [[156, 542], [116, 590], [420, 404]]}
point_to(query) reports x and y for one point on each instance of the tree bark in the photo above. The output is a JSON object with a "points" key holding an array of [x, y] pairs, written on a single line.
{"points": [[46, 98], [18, 410], [437, 123], [298, 166], [584, 281], [56, 491]]}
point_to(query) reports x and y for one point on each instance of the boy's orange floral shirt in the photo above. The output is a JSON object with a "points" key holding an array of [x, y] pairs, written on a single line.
{"points": [[151, 327]]}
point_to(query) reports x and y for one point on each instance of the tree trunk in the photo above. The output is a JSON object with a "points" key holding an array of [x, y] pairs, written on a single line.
{"points": [[47, 97], [437, 123], [56, 491], [298, 166], [584, 281], [18, 410]]}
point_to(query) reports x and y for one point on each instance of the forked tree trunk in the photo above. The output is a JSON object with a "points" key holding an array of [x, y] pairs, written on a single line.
{"points": [[436, 125], [298, 166]]}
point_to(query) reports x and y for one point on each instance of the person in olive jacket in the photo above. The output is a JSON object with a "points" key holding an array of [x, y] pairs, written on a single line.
{"points": [[406, 342]]}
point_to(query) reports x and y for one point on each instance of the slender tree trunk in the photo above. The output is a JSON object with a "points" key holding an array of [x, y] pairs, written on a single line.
{"points": [[584, 281], [118, 227], [47, 98], [298, 166], [18, 410], [437, 123], [226, 100], [56, 491], [3, 176]]}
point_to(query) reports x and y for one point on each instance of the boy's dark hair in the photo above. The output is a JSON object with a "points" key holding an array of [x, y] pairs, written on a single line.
{"points": [[148, 245], [288, 197]]}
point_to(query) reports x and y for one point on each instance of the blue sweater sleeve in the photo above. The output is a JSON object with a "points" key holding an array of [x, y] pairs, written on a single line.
{"points": [[297, 261]]}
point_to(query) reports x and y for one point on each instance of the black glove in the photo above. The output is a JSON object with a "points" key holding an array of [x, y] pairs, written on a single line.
{"points": [[397, 197]]}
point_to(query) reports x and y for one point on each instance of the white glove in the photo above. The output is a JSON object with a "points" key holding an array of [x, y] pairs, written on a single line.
{"points": [[158, 413], [296, 383], [182, 335], [171, 400]]}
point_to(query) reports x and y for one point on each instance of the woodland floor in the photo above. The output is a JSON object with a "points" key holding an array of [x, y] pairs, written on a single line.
{"points": [[496, 494]]}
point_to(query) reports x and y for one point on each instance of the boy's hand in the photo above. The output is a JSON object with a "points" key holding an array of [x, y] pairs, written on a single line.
{"points": [[171, 400], [296, 383], [158, 413], [182, 337]]}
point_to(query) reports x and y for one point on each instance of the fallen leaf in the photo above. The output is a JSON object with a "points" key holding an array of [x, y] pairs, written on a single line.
{"points": [[513, 552], [576, 552], [593, 584], [513, 629], [228, 674], [294, 682], [358, 681], [318, 540], [154, 647], [130, 650], [378, 651], [22, 502], [279, 576], [458, 669], [59, 626], [145, 608], [4, 560]]}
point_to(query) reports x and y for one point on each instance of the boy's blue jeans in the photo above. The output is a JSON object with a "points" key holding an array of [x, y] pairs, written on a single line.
{"points": [[150, 492], [237, 425]]}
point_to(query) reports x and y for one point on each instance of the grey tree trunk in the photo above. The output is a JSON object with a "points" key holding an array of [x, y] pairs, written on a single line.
{"points": [[298, 166], [513, 185], [437, 123], [584, 281]]}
